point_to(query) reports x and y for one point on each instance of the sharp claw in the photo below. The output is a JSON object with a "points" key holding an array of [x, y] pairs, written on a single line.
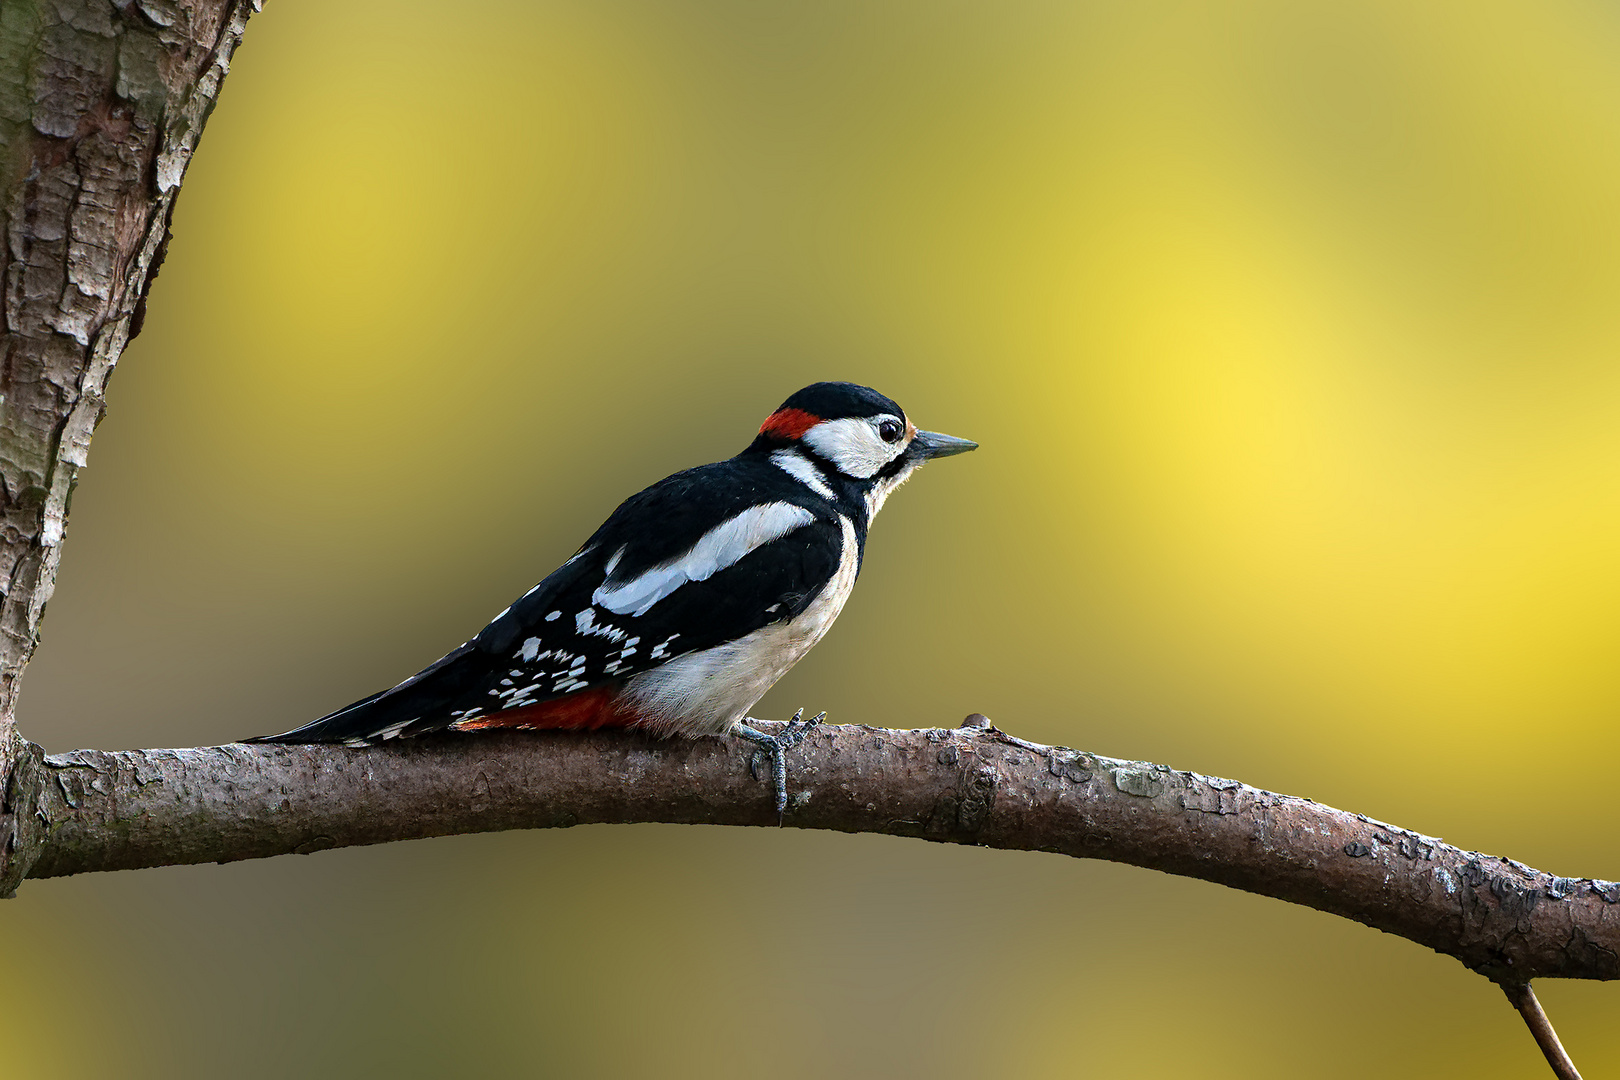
{"points": [[777, 747]]}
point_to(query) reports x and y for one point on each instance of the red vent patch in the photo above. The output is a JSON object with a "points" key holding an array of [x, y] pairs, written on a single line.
{"points": [[788, 423], [586, 710]]}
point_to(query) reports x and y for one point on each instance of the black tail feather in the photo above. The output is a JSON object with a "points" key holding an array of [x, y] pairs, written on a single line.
{"points": [[420, 704]]}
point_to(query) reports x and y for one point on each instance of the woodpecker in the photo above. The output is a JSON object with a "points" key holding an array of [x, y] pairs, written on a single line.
{"points": [[689, 603]]}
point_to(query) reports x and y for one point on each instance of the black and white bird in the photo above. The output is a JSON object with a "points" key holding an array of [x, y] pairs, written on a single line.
{"points": [[690, 601]]}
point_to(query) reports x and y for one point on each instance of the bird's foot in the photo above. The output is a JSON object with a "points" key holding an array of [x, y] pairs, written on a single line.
{"points": [[777, 747]]}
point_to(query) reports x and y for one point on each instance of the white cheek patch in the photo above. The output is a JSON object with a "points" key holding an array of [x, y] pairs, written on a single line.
{"points": [[853, 445], [720, 547]]}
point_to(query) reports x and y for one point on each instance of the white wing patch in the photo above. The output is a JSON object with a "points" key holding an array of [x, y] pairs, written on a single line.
{"points": [[798, 466], [720, 547]]}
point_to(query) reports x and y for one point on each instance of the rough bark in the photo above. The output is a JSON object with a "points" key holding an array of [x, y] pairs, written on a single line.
{"points": [[116, 811], [101, 106]]}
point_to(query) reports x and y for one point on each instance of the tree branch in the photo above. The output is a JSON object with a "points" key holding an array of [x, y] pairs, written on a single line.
{"points": [[121, 810]]}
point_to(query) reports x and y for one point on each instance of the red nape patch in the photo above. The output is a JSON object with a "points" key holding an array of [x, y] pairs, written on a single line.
{"points": [[788, 423], [584, 711]]}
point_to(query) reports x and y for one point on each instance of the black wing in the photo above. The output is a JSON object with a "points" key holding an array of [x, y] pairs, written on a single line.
{"points": [[557, 640]]}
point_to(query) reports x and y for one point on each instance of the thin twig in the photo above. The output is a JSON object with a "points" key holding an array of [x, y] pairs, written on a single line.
{"points": [[1524, 999]]}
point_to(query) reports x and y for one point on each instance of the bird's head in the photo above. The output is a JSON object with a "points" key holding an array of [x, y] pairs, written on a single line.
{"points": [[853, 435]]}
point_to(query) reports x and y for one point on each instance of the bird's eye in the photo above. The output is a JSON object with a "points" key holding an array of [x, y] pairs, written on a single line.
{"points": [[890, 430]]}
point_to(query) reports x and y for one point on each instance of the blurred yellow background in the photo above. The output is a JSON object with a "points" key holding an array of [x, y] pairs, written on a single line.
{"points": [[1290, 332]]}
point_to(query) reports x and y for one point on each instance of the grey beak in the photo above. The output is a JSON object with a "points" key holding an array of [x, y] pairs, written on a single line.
{"points": [[931, 444]]}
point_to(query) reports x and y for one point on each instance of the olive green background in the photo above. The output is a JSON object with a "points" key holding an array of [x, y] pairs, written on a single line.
{"points": [[1291, 335]]}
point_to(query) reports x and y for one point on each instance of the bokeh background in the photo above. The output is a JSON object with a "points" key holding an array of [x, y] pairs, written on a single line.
{"points": [[1291, 335]]}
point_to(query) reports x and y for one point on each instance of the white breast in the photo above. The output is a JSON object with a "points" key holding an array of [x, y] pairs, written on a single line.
{"points": [[709, 692]]}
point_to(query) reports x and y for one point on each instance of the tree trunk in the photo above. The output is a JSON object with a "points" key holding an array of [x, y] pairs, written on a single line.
{"points": [[101, 107]]}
